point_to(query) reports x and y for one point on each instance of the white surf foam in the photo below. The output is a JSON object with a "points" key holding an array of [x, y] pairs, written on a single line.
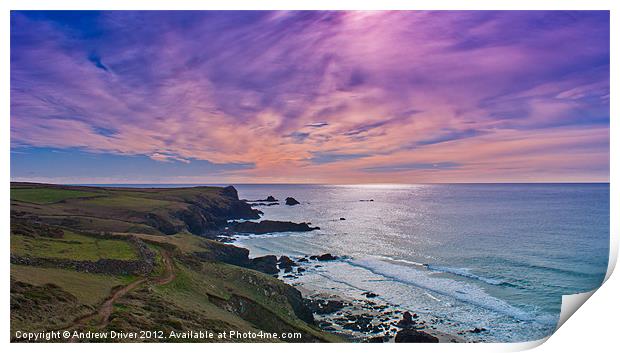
{"points": [[465, 272], [460, 291]]}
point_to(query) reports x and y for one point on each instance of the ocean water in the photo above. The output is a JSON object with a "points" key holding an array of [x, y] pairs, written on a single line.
{"points": [[498, 256]]}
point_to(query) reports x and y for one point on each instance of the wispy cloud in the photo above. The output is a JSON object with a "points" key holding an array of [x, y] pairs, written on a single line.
{"points": [[297, 92], [329, 157], [391, 168], [317, 125], [96, 60]]}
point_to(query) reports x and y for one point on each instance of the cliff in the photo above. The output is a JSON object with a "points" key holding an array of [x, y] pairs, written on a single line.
{"points": [[132, 259], [198, 210]]}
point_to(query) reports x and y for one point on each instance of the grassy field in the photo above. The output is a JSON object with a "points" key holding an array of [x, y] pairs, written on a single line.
{"points": [[88, 288], [46, 196], [72, 246], [127, 202], [185, 242], [85, 223]]}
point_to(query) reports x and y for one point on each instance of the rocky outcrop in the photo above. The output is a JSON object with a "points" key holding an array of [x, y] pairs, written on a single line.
{"points": [[225, 253], [266, 264], [207, 213], [409, 335], [268, 199], [327, 257], [291, 201], [324, 257], [285, 263], [230, 192], [297, 303], [263, 227], [204, 213], [216, 251], [324, 306], [407, 320]]}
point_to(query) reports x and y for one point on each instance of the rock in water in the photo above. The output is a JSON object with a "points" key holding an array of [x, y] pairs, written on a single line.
{"points": [[324, 306], [268, 199], [291, 201], [407, 320], [478, 330], [409, 335], [327, 257], [267, 226], [285, 263]]}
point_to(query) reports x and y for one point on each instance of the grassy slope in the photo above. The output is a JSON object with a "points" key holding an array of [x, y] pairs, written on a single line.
{"points": [[72, 246], [45, 196], [198, 298], [88, 288]]}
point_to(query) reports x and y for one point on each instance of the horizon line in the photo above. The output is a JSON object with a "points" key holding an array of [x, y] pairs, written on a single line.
{"points": [[422, 183]]}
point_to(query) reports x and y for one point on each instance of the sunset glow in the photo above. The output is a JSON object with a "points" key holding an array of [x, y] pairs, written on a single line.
{"points": [[309, 97]]}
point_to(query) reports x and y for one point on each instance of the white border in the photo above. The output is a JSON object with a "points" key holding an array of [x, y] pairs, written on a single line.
{"points": [[593, 328]]}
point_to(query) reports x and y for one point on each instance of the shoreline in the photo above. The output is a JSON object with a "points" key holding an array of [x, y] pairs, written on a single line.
{"points": [[370, 319], [353, 307]]}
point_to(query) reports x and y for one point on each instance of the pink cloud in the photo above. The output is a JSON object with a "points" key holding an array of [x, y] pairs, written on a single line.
{"points": [[500, 94]]}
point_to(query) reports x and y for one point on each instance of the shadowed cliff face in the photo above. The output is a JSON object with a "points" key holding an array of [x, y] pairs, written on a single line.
{"points": [[204, 215]]}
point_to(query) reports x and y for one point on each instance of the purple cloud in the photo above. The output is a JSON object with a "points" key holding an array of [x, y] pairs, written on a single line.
{"points": [[277, 89]]}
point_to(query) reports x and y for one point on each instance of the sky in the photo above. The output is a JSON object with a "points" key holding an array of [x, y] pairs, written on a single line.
{"points": [[309, 97]]}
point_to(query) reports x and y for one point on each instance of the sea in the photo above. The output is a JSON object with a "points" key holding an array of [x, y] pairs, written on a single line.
{"points": [[493, 256]]}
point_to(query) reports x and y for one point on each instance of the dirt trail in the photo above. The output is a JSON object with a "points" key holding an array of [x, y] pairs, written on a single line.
{"points": [[105, 309], [169, 274]]}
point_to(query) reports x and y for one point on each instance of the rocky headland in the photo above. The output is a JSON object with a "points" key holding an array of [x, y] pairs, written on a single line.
{"points": [[268, 226], [177, 231]]}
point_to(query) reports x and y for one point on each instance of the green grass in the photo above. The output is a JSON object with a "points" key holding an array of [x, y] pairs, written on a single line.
{"points": [[190, 282], [72, 246], [88, 288], [192, 291], [48, 195], [101, 224], [128, 202], [185, 242]]}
